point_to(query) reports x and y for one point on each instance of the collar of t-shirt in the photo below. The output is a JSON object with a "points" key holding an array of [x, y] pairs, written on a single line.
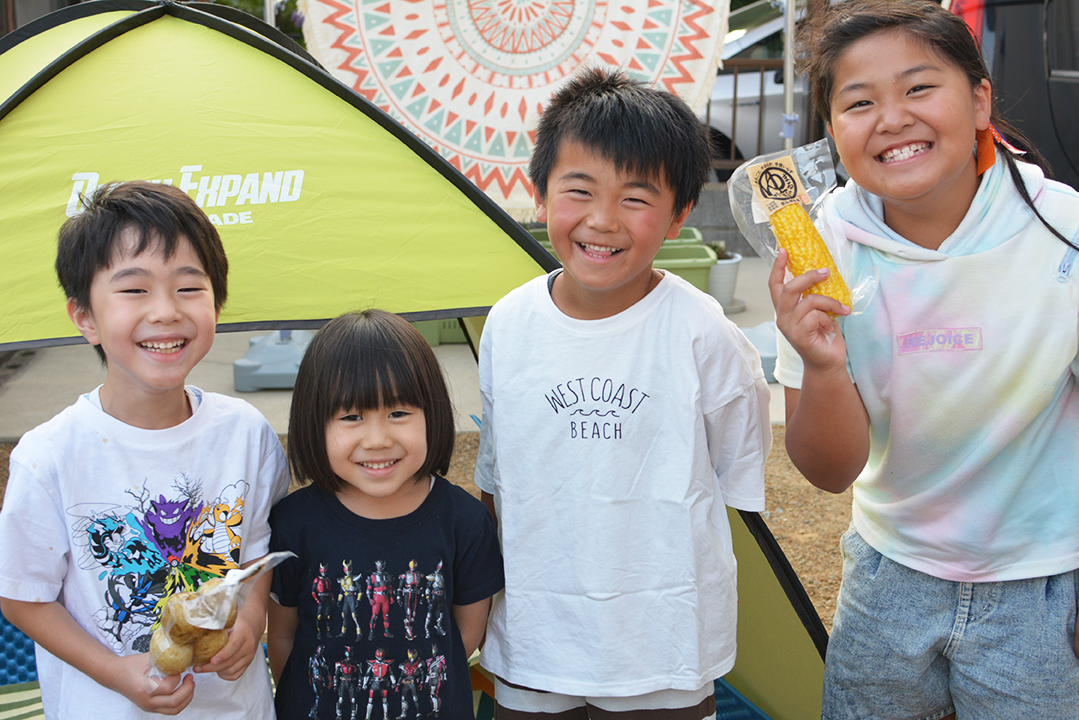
{"points": [[194, 397]]}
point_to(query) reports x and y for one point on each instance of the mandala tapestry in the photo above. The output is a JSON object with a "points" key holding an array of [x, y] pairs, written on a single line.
{"points": [[470, 77]]}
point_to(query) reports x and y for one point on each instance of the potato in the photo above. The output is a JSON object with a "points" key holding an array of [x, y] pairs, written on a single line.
{"points": [[212, 600], [209, 645], [169, 657], [174, 619]]}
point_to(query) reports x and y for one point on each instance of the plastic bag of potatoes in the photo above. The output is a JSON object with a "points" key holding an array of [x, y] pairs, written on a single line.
{"points": [[194, 625]]}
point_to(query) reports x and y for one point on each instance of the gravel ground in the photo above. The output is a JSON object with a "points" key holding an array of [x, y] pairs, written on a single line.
{"points": [[806, 521]]}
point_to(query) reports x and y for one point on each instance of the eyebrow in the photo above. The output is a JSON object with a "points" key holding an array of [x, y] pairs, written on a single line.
{"points": [[853, 87], [641, 184], [143, 272]]}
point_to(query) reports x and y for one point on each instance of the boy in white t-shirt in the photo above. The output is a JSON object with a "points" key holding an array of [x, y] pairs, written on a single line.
{"points": [[144, 487], [622, 413]]}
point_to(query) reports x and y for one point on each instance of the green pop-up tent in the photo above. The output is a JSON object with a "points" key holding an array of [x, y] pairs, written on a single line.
{"points": [[324, 203]]}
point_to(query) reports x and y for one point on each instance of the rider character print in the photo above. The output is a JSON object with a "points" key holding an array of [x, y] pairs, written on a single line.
{"points": [[375, 658], [153, 546]]}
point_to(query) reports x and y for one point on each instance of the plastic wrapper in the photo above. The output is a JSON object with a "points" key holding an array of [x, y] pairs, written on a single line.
{"points": [[194, 625], [767, 184]]}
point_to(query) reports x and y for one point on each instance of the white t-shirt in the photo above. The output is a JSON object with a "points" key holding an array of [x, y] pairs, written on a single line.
{"points": [[611, 448], [966, 362], [107, 517]]}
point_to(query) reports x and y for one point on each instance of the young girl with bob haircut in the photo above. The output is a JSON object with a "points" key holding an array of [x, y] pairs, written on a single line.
{"points": [[951, 403], [389, 593]]}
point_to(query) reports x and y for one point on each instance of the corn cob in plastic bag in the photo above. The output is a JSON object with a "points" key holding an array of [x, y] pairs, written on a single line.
{"points": [[775, 199], [806, 250]]}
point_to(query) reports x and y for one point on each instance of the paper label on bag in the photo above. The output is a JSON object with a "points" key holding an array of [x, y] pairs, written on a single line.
{"points": [[776, 184]]}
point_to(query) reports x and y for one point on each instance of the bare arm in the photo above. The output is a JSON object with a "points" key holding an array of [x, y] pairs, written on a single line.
{"points": [[280, 635], [489, 500], [50, 625], [827, 433], [472, 622]]}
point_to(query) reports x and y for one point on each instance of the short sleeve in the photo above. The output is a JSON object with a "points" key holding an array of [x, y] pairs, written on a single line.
{"points": [[270, 486], [1075, 362], [737, 425], [285, 586], [789, 366], [486, 467], [478, 572], [34, 550], [739, 437]]}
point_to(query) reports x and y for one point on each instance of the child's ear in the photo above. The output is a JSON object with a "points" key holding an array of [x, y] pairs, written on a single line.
{"points": [[677, 223], [84, 321], [541, 209], [983, 105]]}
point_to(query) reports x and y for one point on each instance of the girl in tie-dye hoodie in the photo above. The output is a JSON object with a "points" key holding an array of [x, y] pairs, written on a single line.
{"points": [[951, 404]]}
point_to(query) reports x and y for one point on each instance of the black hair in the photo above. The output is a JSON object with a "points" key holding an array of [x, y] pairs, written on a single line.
{"points": [[823, 40], [159, 215], [642, 130], [363, 361]]}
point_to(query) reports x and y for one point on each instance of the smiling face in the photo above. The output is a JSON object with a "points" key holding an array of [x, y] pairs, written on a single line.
{"points": [[606, 228], [378, 454], [155, 319], [904, 120]]}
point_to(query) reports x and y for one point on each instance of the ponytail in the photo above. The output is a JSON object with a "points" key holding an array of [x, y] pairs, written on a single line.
{"points": [[1030, 154]]}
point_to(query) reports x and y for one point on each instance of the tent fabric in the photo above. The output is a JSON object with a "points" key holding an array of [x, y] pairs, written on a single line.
{"points": [[325, 204], [471, 78]]}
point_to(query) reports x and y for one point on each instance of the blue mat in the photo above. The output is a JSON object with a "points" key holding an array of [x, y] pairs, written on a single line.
{"points": [[20, 697], [733, 705], [17, 664]]}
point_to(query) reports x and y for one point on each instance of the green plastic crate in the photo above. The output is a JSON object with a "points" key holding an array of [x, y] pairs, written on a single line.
{"points": [[691, 262], [440, 332], [687, 236]]}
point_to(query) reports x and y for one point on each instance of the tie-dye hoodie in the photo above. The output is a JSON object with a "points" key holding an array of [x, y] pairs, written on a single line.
{"points": [[966, 360]]}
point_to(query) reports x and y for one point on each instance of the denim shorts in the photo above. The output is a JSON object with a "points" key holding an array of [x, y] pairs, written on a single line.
{"points": [[908, 646]]}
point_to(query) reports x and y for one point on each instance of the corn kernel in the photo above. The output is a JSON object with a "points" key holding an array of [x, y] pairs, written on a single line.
{"points": [[806, 250]]}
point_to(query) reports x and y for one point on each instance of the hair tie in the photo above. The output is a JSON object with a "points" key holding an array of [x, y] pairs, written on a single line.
{"points": [[1000, 139]]}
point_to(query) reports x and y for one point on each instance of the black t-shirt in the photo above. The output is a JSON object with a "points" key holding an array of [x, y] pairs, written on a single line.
{"points": [[373, 599]]}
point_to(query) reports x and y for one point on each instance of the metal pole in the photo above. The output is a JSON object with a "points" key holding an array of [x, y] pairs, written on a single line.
{"points": [[8, 21], [268, 12], [789, 116]]}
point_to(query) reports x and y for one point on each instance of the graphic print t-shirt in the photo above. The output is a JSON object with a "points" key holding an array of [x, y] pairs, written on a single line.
{"points": [[374, 599], [111, 520]]}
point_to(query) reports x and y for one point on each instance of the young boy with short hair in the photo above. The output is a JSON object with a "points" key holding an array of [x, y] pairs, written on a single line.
{"points": [[144, 487], [621, 413]]}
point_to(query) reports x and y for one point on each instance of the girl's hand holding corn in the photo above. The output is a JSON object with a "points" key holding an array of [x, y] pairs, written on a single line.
{"points": [[806, 320]]}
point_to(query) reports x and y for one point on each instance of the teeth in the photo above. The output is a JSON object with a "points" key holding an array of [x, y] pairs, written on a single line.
{"points": [[379, 466], [600, 248], [903, 153], [163, 347]]}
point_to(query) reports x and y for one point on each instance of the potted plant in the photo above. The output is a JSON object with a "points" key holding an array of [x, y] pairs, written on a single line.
{"points": [[723, 276]]}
